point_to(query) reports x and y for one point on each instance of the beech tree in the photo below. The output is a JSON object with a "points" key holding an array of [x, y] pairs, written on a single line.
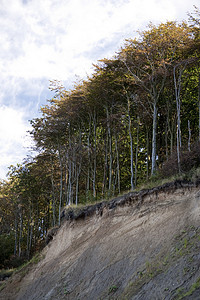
{"points": [[148, 61]]}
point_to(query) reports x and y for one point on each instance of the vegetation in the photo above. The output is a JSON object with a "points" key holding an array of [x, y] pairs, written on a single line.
{"points": [[181, 253], [112, 289], [139, 111]]}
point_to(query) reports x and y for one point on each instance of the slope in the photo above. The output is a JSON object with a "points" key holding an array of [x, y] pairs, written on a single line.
{"points": [[142, 245]]}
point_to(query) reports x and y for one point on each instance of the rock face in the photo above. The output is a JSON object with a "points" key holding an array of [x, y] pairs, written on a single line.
{"points": [[140, 246]]}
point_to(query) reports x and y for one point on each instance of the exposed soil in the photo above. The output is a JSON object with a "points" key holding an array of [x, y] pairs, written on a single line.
{"points": [[142, 245]]}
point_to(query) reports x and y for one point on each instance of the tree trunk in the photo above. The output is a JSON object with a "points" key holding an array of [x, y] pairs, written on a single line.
{"points": [[30, 238], [78, 168], [65, 196], [166, 140], [89, 160], [189, 136], [178, 151], [61, 185], [136, 152], [77, 185], [27, 239], [20, 231], [29, 231], [53, 195], [177, 86], [147, 145], [105, 164], [110, 151], [69, 200], [118, 166], [178, 108], [153, 158], [131, 145], [199, 105], [16, 235], [69, 182], [95, 156]]}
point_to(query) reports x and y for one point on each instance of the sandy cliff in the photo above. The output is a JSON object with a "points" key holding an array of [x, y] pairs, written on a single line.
{"points": [[140, 246]]}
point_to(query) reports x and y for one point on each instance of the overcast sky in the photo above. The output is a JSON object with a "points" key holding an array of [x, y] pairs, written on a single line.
{"points": [[41, 40]]}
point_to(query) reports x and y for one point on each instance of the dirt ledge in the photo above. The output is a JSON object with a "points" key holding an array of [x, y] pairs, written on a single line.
{"points": [[137, 198]]}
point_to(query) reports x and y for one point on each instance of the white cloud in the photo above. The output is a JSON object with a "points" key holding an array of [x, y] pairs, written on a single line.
{"points": [[14, 139], [47, 38]]}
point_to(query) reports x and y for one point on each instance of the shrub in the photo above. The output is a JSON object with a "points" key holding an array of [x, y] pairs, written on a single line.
{"points": [[188, 160], [6, 248]]}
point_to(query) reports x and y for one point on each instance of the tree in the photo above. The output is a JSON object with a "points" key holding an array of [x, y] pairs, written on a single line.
{"points": [[148, 61]]}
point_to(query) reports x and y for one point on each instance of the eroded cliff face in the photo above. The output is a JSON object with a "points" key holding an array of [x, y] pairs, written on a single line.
{"points": [[140, 246]]}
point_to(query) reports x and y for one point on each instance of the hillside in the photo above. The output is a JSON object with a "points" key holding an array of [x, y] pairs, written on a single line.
{"points": [[142, 245], [134, 118]]}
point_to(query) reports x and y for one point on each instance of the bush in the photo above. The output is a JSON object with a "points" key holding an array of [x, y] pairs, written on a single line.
{"points": [[188, 160], [7, 242]]}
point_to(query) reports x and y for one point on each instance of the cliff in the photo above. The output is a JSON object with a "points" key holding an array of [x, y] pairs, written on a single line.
{"points": [[143, 245]]}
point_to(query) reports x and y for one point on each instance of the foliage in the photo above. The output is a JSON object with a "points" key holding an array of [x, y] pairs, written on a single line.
{"points": [[189, 159], [181, 253], [6, 248], [112, 289]]}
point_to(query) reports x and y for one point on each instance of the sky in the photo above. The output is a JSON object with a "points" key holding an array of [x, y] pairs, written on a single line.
{"points": [[43, 40]]}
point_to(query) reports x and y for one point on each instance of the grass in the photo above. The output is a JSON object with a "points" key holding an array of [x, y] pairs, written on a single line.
{"points": [[2, 286], [23, 269], [3, 274], [112, 289], [157, 180], [184, 246], [153, 182], [181, 294], [66, 291], [6, 273], [194, 287]]}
